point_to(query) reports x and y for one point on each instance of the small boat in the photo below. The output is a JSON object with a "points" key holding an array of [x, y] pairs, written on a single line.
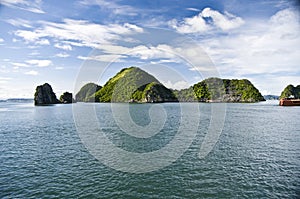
{"points": [[289, 102]]}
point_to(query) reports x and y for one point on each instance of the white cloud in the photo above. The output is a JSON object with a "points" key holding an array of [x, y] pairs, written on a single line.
{"points": [[193, 9], [39, 63], [176, 85], [32, 72], [19, 23], [43, 42], [81, 32], [63, 55], [104, 58], [113, 7], [1, 40], [161, 51], [62, 46], [198, 23], [30, 36], [31, 6], [19, 64], [4, 80], [194, 24], [261, 50], [225, 21], [59, 68]]}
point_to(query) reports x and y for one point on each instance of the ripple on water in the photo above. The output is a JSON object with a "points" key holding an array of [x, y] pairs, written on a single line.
{"points": [[257, 156]]}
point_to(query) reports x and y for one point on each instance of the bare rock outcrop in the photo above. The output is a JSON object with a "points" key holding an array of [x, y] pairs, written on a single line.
{"points": [[44, 95]]}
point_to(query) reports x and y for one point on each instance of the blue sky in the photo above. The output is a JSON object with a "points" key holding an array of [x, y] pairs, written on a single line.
{"points": [[69, 43]]}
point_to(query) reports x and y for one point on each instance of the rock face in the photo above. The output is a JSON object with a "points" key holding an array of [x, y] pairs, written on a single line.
{"points": [[44, 95], [67, 98], [87, 93]]}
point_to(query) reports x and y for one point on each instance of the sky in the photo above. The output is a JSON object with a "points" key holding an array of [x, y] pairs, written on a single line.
{"points": [[70, 43]]}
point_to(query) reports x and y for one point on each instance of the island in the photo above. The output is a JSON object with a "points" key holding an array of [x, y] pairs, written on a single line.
{"points": [[290, 96], [135, 85], [44, 95]]}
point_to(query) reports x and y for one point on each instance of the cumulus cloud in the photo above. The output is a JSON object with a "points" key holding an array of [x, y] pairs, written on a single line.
{"points": [[199, 24], [224, 21], [194, 24], [39, 63], [261, 50]]}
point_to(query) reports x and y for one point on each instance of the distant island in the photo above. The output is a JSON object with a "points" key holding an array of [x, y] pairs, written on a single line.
{"points": [[271, 97], [135, 85]]}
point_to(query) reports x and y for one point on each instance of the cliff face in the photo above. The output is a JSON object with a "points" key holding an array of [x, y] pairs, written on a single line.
{"points": [[44, 95], [291, 91]]}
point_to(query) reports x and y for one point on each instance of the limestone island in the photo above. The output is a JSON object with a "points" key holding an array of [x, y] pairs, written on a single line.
{"points": [[44, 95], [290, 96], [137, 86]]}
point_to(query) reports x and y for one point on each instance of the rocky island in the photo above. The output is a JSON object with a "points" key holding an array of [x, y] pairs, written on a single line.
{"points": [[44, 95], [67, 98], [87, 93], [291, 91], [135, 85]]}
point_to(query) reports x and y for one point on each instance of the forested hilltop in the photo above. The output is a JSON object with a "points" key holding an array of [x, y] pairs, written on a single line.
{"points": [[291, 91], [135, 85]]}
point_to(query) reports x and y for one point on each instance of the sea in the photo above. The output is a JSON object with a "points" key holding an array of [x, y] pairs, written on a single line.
{"points": [[168, 150]]}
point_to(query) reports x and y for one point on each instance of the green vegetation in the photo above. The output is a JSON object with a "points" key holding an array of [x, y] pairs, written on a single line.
{"points": [[185, 95], [87, 93], [135, 85], [154, 92], [225, 90], [290, 91], [220, 90]]}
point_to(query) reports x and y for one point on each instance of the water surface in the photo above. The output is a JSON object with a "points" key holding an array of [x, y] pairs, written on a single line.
{"points": [[256, 156]]}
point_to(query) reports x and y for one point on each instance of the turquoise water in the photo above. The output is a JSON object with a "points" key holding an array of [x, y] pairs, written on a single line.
{"points": [[257, 154]]}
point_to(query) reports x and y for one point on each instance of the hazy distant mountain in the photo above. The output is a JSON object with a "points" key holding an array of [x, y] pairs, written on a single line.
{"points": [[271, 97]]}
